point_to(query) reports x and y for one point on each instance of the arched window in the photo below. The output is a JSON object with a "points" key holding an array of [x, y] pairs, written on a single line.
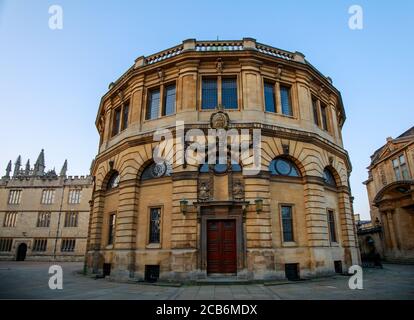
{"points": [[283, 167], [328, 177], [156, 170], [113, 181]]}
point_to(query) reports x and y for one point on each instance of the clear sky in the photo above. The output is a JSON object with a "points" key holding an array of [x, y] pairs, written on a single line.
{"points": [[51, 81]]}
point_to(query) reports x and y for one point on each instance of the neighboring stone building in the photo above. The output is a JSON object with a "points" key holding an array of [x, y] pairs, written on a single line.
{"points": [[43, 216], [177, 220], [390, 187]]}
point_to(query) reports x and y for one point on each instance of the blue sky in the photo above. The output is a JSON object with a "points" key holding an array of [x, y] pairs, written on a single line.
{"points": [[52, 80]]}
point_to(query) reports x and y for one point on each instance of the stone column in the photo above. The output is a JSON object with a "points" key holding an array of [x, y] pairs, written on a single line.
{"points": [[184, 228], [95, 234], [316, 221], [391, 229], [126, 228]]}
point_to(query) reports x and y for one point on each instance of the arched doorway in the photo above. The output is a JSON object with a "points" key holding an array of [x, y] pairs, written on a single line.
{"points": [[21, 252]]}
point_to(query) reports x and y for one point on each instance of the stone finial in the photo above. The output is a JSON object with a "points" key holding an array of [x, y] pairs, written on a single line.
{"points": [[39, 167], [17, 165], [64, 169], [389, 139], [8, 169], [27, 169]]}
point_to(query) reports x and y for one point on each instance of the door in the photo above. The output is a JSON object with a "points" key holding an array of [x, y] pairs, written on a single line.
{"points": [[21, 252], [221, 247]]}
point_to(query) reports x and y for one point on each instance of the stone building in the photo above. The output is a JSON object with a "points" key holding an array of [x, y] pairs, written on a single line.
{"points": [[179, 220], [390, 187], [44, 216]]}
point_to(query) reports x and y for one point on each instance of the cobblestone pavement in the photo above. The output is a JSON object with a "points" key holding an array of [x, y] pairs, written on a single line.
{"points": [[29, 280]]}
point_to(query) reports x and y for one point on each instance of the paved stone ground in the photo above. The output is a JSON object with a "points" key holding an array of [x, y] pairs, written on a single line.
{"points": [[29, 280]]}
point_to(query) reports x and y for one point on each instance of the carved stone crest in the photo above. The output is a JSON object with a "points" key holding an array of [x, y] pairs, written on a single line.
{"points": [[238, 190], [203, 190], [219, 119]]}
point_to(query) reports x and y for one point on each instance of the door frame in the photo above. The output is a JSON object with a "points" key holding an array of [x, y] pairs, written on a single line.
{"points": [[222, 211]]}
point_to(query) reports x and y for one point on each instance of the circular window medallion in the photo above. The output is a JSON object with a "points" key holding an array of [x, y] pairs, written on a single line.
{"points": [[158, 170], [283, 167]]}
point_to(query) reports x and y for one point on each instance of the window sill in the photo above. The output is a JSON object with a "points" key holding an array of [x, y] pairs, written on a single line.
{"points": [[153, 246], [289, 244], [280, 114]]}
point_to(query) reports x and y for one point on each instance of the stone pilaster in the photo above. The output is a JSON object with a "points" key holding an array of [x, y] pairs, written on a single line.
{"points": [[95, 233], [126, 227]]}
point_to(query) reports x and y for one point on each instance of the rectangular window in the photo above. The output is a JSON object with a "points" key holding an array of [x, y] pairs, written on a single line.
{"points": [[287, 223], [400, 168], [39, 245], [269, 94], [331, 225], [68, 245], [324, 117], [229, 93], [43, 220], [48, 196], [169, 100], [209, 97], [153, 108], [111, 230], [5, 244], [315, 112], [286, 101], [10, 219], [71, 219], [117, 122], [125, 112], [15, 196], [74, 196], [155, 217]]}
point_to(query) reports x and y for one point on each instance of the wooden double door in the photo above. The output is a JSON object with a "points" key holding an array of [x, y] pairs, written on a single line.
{"points": [[221, 247]]}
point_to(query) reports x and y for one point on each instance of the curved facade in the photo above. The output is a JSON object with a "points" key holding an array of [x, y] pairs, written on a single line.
{"points": [[183, 221]]}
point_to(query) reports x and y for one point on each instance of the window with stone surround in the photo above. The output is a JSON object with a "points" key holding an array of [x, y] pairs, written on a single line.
{"points": [[111, 229], [74, 196], [161, 101], [10, 219], [331, 225], [285, 100], [400, 168], [270, 96], [5, 244], [324, 113], [68, 245], [43, 220], [39, 245], [71, 219], [15, 196], [120, 118], [287, 222], [48, 196], [220, 90], [315, 111], [154, 225]]}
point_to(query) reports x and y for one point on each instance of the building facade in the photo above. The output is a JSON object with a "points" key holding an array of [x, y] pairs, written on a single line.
{"points": [[184, 221], [390, 188], [44, 216]]}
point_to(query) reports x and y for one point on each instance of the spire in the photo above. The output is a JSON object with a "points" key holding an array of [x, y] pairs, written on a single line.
{"points": [[64, 169], [39, 167], [8, 169], [17, 165], [27, 170]]}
